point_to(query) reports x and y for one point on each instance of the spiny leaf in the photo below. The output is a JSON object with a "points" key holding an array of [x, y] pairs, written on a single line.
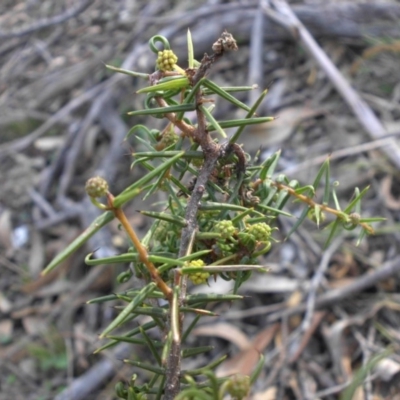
{"points": [[250, 114], [133, 190], [240, 122], [127, 72], [358, 196], [138, 300], [147, 367], [94, 227], [214, 123], [190, 50], [174, 83], [225, 95], [269, 166], [302, 217], [164, 110], [133, 332]]}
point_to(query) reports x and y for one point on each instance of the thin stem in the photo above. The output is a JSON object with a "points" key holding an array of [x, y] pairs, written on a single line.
{"points": [[308, 200], [143, 255]]}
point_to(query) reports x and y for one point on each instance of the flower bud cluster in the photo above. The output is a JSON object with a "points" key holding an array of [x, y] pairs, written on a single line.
{"points": [[198, 277], [96, 187], [168, 138], [260, 232], [225, 228], [166, 60], [239, 386]]}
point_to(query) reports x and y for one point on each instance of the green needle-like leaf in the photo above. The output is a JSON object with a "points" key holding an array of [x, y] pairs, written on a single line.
{"points": [[358, 196], [250, 114], [231, 89], [226, 206], [327, 190], [127, 72], [240, 122], [302, 217], [125, 339], [190, 327], [372, 219], [188, 155], [133, 190], [94, 227], [334, 196], [257, 370], [225, 95], [191, 352], [308, 190], [164, 110], [214, 122], [175, 315], [133, 332], [147, 367], [130, 294], [270, 165], [190, 50], [151, 344], [274, 210], [208, 367], [172, 83], [361, 236], [137, 301], [121, 258], [333, 228], [223, 268], [209, 298], [174, 219], [320, 174]]}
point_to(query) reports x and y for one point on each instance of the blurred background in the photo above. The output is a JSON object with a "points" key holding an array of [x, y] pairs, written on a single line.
{"points": [[332, 68]]}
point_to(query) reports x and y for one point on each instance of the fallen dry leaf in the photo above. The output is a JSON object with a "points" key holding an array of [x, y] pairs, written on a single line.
{"points": [[280, 129], [245, 361], [390, 201], [225, 331], [269, 394]]}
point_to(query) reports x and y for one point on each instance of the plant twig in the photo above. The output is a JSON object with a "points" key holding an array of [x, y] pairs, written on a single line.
{"points": [[211, 152], [143, 255]]}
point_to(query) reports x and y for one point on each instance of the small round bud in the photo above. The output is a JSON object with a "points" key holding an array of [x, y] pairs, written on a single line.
{"points": [[198, 277], [355, 218], [168, 138], [261, 231], [225, 228], [239, 386], [166, 60], [96, 187]]}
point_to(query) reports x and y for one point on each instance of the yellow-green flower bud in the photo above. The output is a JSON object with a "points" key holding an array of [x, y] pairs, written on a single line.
{"points": [[198, 277], [225, 228], [261, 231], [166, 60], [168, 138], [96, 187], [355, 218], [239, 386]]}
